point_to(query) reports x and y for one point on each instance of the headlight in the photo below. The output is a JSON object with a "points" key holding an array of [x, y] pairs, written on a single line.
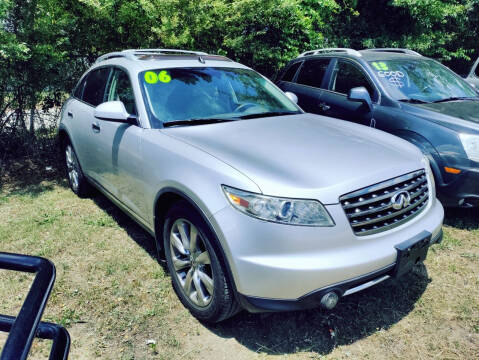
{"points": [[470, 144], [430, 176], [280, 210]]}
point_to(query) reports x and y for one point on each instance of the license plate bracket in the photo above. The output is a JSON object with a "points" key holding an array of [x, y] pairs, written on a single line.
{"points": [[411, 252]]}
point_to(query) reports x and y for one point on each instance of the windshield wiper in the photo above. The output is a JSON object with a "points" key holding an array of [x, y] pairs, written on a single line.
{"points": [[269, 113], [414, 101], [197, 121], [454, 98]]}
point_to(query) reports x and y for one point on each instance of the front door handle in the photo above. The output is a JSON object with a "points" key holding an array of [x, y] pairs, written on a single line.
{"points": [[96, 126], [70, 114], [323, 106]]}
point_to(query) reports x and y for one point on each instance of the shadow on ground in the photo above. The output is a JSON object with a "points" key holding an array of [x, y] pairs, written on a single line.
{"points": [[135, 231], [356, 316], [31, 176], [462, 218]]}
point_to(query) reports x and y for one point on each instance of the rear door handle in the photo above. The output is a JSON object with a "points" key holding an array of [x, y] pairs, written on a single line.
{"points": [[323, 106], [95, 126], [70, 114]]}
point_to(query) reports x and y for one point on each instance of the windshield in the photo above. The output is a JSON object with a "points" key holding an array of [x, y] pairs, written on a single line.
{"points": [[195, 94], [421, 80]]}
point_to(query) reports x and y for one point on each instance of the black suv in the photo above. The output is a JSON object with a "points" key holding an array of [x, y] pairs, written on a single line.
{"points": [[405, 94]]}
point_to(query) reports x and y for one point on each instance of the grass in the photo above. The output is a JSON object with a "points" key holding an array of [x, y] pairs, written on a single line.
{"points": [[113, 296]]}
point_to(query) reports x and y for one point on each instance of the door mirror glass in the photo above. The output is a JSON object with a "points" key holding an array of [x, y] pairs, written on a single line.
{"points": [[360, 94], [291, 96], [113, 111]]}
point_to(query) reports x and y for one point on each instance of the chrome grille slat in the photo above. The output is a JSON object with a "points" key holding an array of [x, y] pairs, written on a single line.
{"points": [[389, 216], [382, 197], [381, 208], [370, 210], [383, 184]]}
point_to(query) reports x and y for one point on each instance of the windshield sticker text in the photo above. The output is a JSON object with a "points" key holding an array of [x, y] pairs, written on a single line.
{"points": [[152, 77], [380, 65], [394, 77]]}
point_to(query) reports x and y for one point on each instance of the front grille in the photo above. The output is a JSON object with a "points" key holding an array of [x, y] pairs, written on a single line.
{"points": [[370, 210]]}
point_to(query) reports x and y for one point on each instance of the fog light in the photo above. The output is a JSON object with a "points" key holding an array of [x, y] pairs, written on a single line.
{"points": [[329, 300]]}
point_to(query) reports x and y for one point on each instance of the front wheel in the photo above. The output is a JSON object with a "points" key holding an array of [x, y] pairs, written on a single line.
{"points": [[197, 274]]}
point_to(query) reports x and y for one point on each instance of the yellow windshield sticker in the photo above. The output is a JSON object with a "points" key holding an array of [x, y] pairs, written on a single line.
{"points": [[380, 65], [152, 78], [164, 77]]}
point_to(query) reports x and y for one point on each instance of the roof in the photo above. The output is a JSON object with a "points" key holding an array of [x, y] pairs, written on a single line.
{"points": [[146, 59], [366, 55]]}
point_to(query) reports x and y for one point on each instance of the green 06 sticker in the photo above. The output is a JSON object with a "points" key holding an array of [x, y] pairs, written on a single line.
{"points": [[152, 77]]}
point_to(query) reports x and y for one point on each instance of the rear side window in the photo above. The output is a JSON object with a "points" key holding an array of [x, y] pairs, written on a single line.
{"points": [[347, 76], [477, 70], [94, 88], [78, 93], [312, 72], [289, 74]]}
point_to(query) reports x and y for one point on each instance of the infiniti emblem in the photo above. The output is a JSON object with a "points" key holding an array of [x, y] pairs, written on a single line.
{"points": [[400, 200]]}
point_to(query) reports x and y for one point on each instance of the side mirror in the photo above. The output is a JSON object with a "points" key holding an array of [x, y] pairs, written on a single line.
{"points": [[291, 96], [114, 111], [360, 94]]}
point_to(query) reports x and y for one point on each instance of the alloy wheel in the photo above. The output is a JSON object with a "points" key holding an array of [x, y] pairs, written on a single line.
{"points": [[72, 167], [191, 262]]}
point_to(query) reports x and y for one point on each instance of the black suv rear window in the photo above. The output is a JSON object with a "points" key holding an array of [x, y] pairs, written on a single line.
{"points": [[312, 72], [289, 74]]}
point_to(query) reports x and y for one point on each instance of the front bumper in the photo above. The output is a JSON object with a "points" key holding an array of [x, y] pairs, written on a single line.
{"points": [[461, 190], [313, 299], [283, 262]]}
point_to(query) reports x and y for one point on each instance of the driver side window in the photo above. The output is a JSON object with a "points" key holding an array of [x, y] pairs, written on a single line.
{"points": [[120, 89], [347, 76]]}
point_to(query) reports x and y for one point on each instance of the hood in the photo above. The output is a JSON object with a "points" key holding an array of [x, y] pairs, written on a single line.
{"points": [[453, 114], [305, 155], [465, 110]]}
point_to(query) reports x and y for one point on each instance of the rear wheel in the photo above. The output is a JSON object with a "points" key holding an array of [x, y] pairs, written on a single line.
{"points": [[196, 271], [76, 179]]}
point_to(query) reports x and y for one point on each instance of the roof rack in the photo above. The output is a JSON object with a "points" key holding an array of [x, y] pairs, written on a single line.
{"points": [[331, 50], [131, 53], [396, 50]]}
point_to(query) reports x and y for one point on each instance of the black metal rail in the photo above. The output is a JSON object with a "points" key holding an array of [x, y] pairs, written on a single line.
{"points": [[27, 324]]}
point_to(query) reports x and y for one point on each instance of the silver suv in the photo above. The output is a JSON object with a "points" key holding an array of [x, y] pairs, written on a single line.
{"points": [[253, 203]]}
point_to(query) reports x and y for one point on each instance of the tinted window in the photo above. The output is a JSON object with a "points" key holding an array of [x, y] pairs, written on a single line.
{"points": [[120, 89], [95, 86], [347, 76], [289, 74], [79, 89], [477, 70], [312, 72]]}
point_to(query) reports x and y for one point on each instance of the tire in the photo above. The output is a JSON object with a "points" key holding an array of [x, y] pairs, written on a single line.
{"points": [[78, 183], [197, 273]]}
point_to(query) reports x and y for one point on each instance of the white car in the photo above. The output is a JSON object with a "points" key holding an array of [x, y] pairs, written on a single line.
{"points": [[254, 203]]}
